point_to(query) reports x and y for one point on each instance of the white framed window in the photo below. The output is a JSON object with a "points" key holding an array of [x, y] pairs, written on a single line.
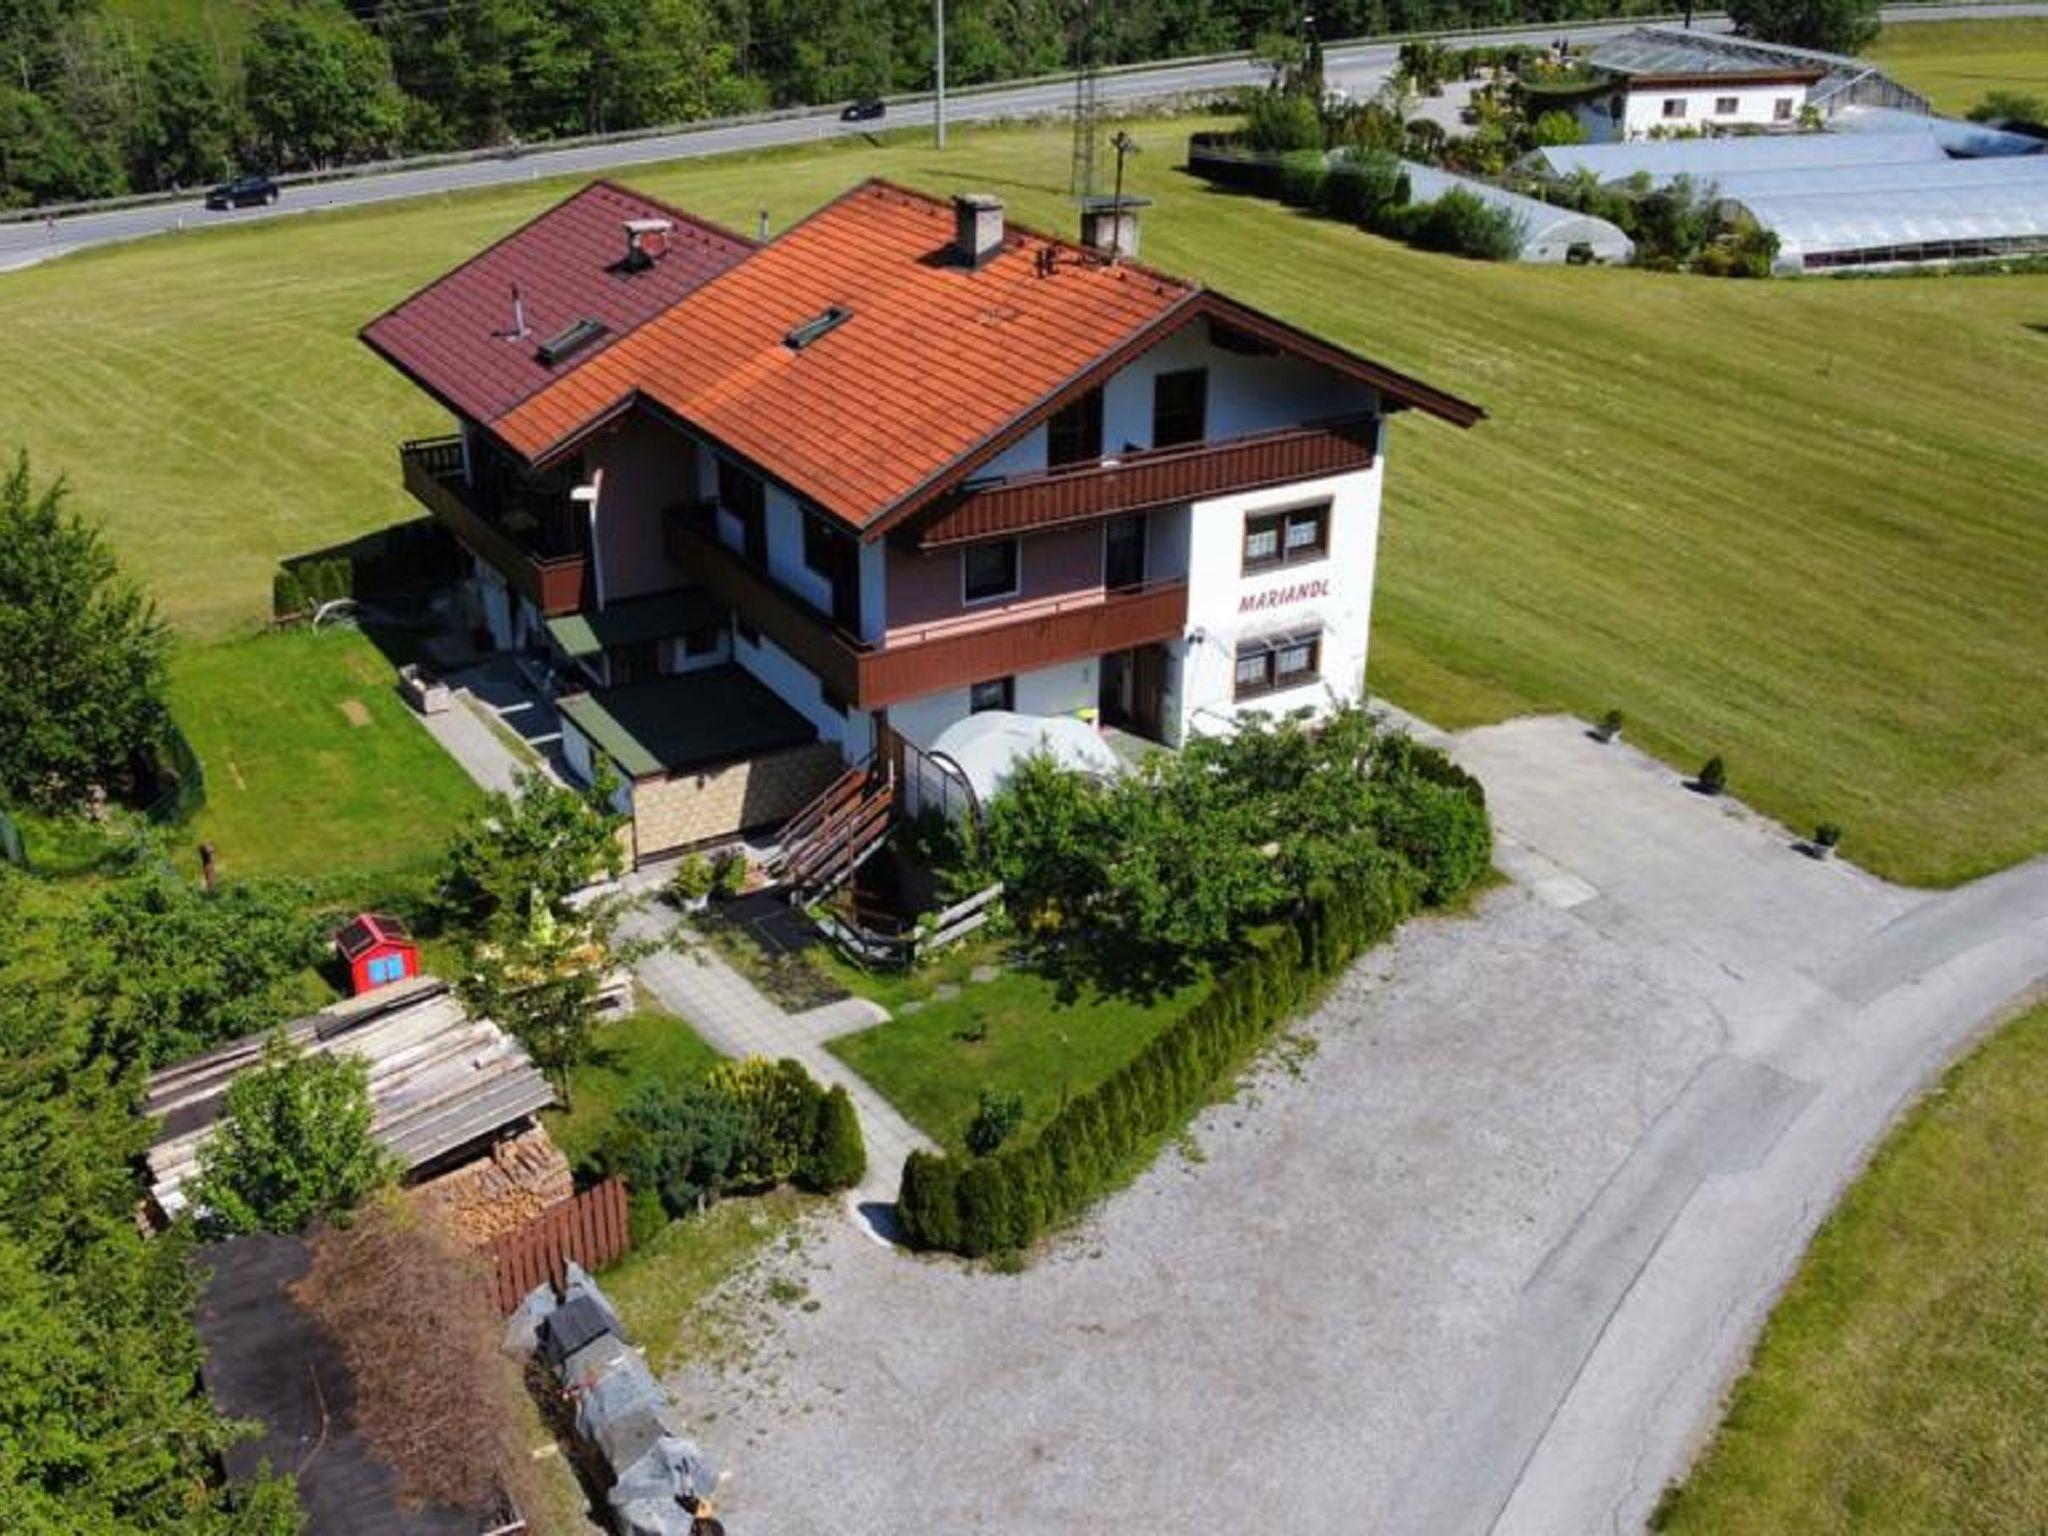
{"points": [[1272, 663], [1781, 109], [1674, 107], [1726, 106], [990, 572]]}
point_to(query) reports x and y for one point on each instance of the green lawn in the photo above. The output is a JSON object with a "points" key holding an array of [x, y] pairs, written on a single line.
{"points": [[313, 763], [1011, 1033], [1797, 523], [1953, 63], [1902, 1385], [648, 1046]]}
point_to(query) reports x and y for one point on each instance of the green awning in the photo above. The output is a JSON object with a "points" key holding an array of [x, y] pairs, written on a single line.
{"points": [[661, 616], [691, 720]]}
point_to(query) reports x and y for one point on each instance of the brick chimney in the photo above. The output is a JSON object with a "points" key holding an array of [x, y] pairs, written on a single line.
{"points": [[977, 228], [1109, 225]]}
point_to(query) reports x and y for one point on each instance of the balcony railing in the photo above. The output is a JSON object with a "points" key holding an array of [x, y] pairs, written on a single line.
{"points": [[1151, 477], [946, 655], [433, 474]]}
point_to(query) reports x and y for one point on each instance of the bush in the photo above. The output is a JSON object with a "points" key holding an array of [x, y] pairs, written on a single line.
{"points": [[1360, 183], [1277, 121], [1713, 775], [1827, 835], [2010, 107], [1557, 127], [779, 1102], [1298, 179], [729, 874], [677, 1142], [1440, 831], [997, 1116], [287, 595], [836, 1157], [1461, 224]]}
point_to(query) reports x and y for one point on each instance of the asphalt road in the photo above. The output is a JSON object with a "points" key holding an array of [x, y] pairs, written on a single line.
{"points": [[1358, 68]]}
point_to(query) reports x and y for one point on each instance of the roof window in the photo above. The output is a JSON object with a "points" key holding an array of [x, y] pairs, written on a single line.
{"points": [[569, 342], [815, 329]]}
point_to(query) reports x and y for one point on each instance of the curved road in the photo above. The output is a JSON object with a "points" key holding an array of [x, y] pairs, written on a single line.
{"points": [[1358, 67]]}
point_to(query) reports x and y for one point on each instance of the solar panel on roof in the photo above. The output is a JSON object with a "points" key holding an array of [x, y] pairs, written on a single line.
{"points": [[569, 342]]}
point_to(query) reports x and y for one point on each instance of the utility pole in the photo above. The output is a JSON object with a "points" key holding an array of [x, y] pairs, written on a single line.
{"points": [[939, 31]]}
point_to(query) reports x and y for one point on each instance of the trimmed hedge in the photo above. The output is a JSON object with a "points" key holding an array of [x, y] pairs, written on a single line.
{"points": [[1435, 819]]}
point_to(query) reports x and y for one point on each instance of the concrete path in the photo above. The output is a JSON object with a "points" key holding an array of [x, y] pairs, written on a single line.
{"points": [[732, 1016], [1484, 1262]]}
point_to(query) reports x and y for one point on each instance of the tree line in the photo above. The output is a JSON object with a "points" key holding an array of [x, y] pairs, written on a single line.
{"points": [[93, 105]]}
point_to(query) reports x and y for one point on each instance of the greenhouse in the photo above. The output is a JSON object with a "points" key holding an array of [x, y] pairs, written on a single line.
{"points": [[1549, 233], [1665, 160], [1904, 225]]}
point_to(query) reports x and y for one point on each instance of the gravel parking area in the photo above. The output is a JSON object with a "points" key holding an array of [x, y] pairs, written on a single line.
{"points": [[1272, 1321]]}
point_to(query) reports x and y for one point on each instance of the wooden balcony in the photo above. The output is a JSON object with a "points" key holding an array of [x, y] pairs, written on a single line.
{"points": [[946, 655], [433, 474], [1147, 478]]}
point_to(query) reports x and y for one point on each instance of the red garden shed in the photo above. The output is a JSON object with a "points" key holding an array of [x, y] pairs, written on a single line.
{"points": [[378, 950]]}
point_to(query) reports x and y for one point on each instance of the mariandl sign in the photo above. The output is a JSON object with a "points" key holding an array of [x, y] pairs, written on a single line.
{"points": [[1284, 597]]}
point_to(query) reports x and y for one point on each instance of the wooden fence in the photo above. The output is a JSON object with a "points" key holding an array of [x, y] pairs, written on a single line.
{"points": [[591, 1229], [904, 950]]}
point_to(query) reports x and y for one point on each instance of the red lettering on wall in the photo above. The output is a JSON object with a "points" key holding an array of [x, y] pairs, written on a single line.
{"points": [[1281, 597]]}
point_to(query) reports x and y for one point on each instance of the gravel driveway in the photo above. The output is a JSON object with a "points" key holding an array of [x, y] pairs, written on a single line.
{"points": [[1478, 1254]]}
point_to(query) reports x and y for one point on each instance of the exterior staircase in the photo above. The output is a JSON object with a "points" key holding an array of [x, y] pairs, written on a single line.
{"points": [[826, 841]]}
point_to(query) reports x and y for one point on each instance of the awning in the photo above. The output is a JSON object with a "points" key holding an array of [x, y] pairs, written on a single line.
{"points": [[661, 616], [691, 720]]}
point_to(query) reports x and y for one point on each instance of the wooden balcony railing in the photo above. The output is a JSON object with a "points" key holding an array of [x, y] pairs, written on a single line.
{"points": [[871, 676], [1146, 478], [433, 474]]}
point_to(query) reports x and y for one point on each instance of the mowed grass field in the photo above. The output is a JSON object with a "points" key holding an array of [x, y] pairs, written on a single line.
{"points": [[1953, 63], [1901, 1385], [1801, 524]]}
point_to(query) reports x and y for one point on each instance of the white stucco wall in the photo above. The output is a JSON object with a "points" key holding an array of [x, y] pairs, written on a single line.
{"points": [[1067, 689], [1643, 110], [797, 686], [1225, 605]]}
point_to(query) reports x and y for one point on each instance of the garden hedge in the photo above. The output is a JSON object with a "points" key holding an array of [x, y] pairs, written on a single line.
{"points": [[1006, 1201]]}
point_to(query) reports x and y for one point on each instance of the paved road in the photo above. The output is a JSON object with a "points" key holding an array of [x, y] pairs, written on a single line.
{"points": [[1358, 68], [1482, 1264]]}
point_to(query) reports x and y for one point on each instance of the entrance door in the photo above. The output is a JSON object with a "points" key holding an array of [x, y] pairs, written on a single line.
{"points": [[1123, 552], [1148, 689]]}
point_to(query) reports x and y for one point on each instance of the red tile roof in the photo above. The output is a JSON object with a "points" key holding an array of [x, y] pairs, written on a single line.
{"points": [[453, 336], [935, 359]]}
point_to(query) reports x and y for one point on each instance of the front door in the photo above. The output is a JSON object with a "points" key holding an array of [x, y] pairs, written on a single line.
{"points": [[1148, 689], [1123, 552]]}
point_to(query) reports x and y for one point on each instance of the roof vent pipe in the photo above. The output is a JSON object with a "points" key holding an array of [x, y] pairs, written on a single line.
{"points": [[518, 331], [977, 228], [645, 240]]}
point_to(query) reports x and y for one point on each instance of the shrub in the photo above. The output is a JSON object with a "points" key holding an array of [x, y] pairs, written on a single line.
{"points": [[676, 1141], [692, 880], [1713, 775], [1557, 127], [779, 1103], [1461, 224], [1442, 833], [996, 1117], [1298, 179], [1827, 835], [2010, 107], [287, 594], [1610, 725], [729, 874], [1361, 182], [1278, 121], [836, 1157]]}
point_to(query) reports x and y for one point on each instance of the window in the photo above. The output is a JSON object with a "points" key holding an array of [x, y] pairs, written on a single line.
{"points": [[1292, 536], [386, 969], [988, 571], [1781, 109], [1074, 435], [820, 548], [701, 641], [996, 693], [1674, 106], [1726, 106], [745, 630], [1180, 407], [745, 498], [1275, 662]]}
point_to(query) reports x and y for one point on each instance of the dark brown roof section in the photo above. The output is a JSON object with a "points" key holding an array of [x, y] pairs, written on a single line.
{"points": [[458, 338]]}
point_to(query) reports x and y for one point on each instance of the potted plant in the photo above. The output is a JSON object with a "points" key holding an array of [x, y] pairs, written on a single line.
{"points": [[1825, 837], [1609, 728], [690, 886], [729, 875], [1713, 776]]}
